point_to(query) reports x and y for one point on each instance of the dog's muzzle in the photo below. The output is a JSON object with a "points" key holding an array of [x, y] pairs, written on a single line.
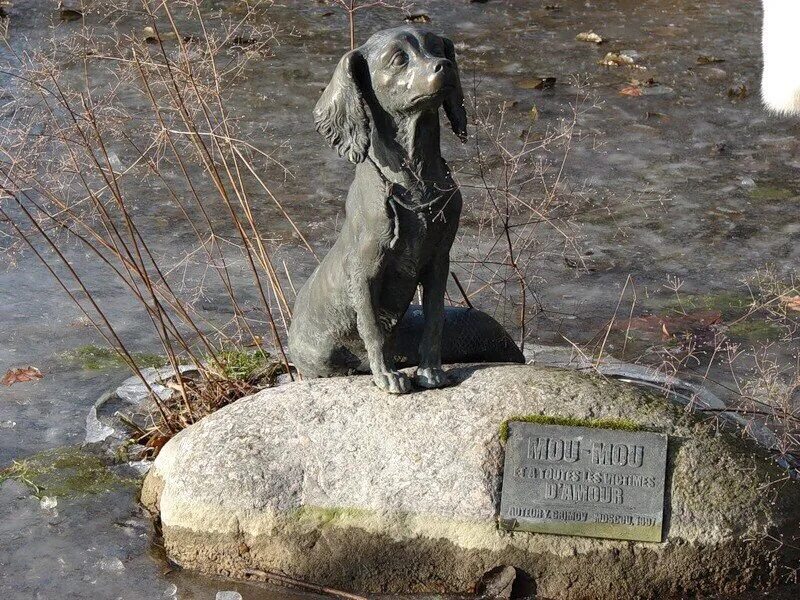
{"points": [[440, 79]]}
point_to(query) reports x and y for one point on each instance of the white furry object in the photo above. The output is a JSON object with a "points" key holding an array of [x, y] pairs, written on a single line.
{"points": [[780, 85]]}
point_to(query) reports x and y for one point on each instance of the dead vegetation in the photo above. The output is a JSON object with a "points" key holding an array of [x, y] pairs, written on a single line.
{"points": [[108, 117], [742, 345], [522, 207]]}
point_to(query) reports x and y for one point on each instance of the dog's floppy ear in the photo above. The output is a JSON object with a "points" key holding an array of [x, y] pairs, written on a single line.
{"points": [[454, 103], [340, 115]]}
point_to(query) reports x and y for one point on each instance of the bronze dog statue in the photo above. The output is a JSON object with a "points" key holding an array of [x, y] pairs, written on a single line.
{"points": [[381, 111]]}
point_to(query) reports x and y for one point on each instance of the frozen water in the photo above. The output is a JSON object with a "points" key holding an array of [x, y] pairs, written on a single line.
{"points": [[96, 431], [141, 466], [685, 161], [48, 502], [135, 392], [111, 564]]}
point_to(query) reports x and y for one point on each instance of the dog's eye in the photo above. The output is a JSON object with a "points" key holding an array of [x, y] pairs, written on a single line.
{"points": [[399, 59]]}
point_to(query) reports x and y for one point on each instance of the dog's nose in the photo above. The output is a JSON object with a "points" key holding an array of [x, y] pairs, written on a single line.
{"points": [[441, 65]]}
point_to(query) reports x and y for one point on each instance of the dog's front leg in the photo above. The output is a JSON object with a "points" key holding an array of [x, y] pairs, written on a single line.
{"points": [[365, 300], [434, 282]]}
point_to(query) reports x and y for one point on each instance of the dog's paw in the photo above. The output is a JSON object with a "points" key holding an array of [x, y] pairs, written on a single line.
{"points": [[430, 377], [393, 382]]}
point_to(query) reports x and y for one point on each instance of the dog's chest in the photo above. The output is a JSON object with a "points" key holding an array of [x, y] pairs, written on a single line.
{"points": [[418, 235]]}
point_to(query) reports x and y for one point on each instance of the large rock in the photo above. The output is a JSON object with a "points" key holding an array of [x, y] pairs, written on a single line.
{"points": [[335, 482]]}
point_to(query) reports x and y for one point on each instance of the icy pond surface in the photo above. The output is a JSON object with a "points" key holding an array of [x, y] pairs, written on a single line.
{"points": [[701, 185]]}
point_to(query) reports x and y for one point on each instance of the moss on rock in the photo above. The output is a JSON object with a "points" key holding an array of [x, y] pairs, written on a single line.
{"points": [[755, 330], [64, 473], [766, 193], [99, 358], [567, 421]]}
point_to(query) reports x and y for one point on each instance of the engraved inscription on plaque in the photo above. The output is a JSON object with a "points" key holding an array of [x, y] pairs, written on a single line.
{"points": [[583, 481]]}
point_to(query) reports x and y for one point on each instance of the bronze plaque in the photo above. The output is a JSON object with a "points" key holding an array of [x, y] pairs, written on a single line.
{"points": [[603, 483]]}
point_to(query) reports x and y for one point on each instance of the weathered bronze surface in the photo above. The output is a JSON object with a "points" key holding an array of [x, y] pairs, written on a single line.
{"points": [[584, 481], [381, 111]]}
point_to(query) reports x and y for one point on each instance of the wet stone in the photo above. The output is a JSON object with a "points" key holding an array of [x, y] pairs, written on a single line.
{"points": [[584, 481]]}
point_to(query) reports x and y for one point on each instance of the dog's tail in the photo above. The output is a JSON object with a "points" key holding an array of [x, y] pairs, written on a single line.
{"points": [[469, 335]]}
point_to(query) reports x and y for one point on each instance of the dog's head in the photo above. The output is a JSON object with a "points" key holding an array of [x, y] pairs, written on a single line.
{"points": [[400, 71]]}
